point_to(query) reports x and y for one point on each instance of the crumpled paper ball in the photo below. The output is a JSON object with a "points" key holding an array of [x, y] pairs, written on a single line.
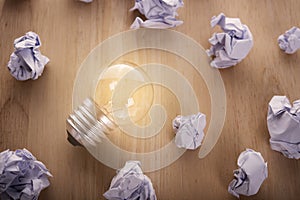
{"points": [[284, 126], [232, 46], [21, 175], [189, 130], [86, 1], [160, 14], [289, 42], [27, 62], [251, 174], [131, 184]]}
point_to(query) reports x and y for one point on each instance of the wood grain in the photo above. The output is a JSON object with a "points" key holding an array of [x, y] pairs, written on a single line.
{"points": [[33, 113]]}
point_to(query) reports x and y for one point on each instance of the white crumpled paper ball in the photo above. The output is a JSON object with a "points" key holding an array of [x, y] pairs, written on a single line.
{"points": [[21, 175], [160, 14], [131, 184], [289, 42], [86, 1], [27, 62], [231, 46], [283, 122], [251, 174], [189, 130]]}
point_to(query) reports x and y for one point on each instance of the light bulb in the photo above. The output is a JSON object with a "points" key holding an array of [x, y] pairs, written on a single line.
{"points": [[124, 95], [124, 90]]}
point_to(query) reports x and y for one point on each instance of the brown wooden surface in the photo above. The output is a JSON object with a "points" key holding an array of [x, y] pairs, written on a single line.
{"points": [[33, 113]]}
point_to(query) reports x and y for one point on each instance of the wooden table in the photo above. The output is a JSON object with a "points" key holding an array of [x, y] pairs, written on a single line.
{"points": [[33, 113]]}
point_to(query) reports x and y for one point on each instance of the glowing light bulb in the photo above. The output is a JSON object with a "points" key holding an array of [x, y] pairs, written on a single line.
{"points": [[124, 90]]}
